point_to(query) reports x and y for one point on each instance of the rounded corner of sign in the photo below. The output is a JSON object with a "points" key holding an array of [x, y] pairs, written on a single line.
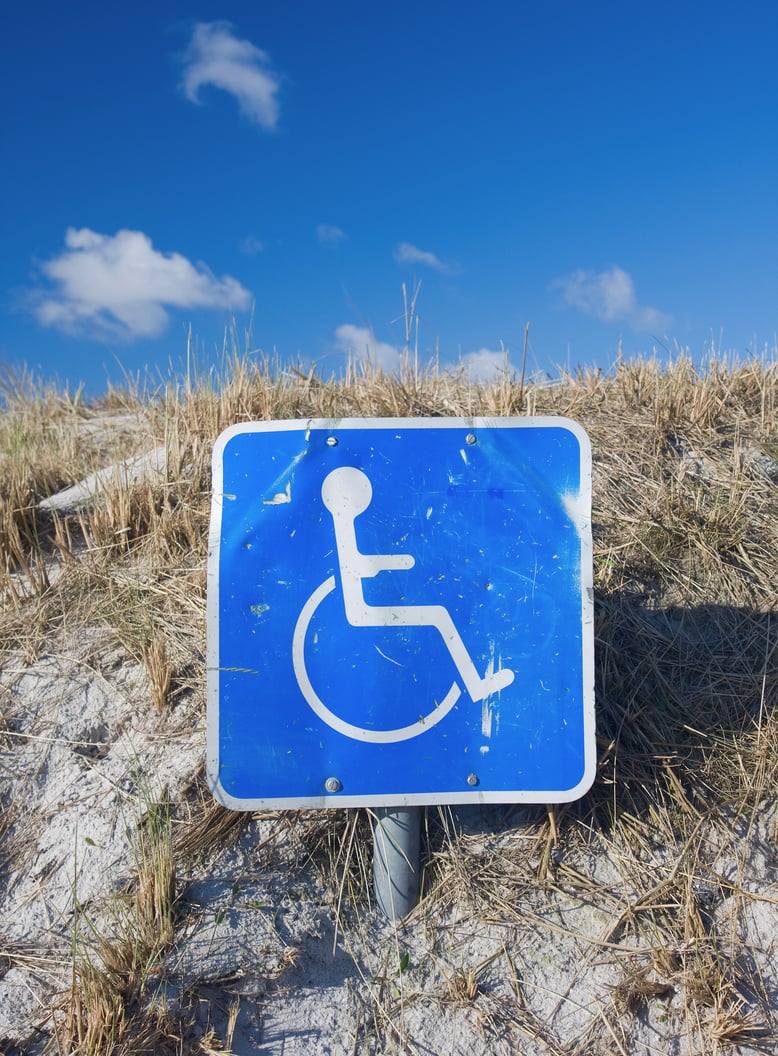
{"points": [[560, 421], [222, 797], [224, 438], [578, 431], [584, 785]]}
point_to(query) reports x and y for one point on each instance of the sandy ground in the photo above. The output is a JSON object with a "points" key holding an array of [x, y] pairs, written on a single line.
{"points": [[257, 921]]}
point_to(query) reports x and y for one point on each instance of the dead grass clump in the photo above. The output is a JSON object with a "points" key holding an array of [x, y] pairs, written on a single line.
{"points": [[207, 829], [99, 1026], [155, 657], [335, 843], [475, 872], [45, 444], [96, 1016], [638, 987], [114, 975], [675, 687]]}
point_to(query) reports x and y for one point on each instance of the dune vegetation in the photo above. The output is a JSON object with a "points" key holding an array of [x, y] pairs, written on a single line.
{"points": [[139, 916]]}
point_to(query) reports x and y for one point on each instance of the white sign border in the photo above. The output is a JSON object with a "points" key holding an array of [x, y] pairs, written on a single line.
{"points": [[336, 800]]}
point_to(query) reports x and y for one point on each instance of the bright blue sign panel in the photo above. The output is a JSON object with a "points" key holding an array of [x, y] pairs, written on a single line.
{"points": [[400, 612]]}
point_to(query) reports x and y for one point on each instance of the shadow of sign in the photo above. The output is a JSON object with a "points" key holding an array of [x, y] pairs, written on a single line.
{"points": [[675, 688]]}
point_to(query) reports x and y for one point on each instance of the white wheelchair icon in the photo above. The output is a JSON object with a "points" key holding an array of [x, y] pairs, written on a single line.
{"points": [[347, 492]]}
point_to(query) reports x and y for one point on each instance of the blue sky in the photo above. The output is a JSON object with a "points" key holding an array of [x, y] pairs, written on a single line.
{"points": [[605, 172]]}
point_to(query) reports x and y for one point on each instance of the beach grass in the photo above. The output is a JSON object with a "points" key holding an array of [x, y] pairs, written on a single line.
{"points": [[664, 852]]}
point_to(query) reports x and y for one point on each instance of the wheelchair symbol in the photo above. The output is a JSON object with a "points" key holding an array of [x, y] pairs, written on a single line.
{"points": [[347, 492]]}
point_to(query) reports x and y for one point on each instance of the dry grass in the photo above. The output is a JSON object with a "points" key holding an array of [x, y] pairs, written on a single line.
{"points": [[111, 972], [686, 533]]}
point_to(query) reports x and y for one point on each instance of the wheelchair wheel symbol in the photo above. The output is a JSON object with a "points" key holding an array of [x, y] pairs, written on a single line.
{"points": [[347, 492], [358, 733]]}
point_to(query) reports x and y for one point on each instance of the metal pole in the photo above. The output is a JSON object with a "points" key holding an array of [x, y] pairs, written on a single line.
{"points": [[396, 859]]}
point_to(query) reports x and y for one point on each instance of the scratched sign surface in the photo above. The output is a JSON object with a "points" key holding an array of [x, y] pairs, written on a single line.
{"points": [[400, 612]]}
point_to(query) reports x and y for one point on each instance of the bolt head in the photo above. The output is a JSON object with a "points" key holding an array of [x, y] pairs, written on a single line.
{"points": [[470, 438], [472, 779], [332, 784], [332, 441]]}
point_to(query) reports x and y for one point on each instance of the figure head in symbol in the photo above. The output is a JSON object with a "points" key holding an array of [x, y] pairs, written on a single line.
{"points": [[346, 490]]}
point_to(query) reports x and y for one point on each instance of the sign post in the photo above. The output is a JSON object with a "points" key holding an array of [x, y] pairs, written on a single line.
{"points": [[400, 613], [396, 859]]}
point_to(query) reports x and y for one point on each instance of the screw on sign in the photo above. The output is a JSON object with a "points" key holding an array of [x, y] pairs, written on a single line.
{"points": [[400, 613]]}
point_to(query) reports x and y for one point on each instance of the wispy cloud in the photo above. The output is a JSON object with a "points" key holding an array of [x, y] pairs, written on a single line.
{"points": [[329, 235], [360, 343], [610, 295], [216, 57], [409, 254], [120, 286], [486, 364], [251, 245]]}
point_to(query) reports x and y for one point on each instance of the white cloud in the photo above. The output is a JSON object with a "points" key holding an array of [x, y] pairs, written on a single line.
{"points": [[610, 295], [216, 57], [652, 320], [329, 235], [408, 254], [360, 343], [251, 246], [120, 285], [486, 364]]}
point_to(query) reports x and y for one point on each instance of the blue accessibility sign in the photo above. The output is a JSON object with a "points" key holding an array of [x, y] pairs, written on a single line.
{"points": [[400, 612]]}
